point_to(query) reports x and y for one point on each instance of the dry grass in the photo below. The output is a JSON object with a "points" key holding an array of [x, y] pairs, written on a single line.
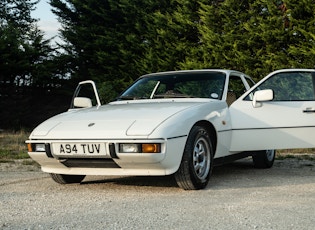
{"points": [[303, 154], [12, 145]]}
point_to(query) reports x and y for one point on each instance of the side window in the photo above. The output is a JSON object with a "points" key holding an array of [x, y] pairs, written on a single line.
{"points": [[235, 89], [292, 86], [250, 82]]}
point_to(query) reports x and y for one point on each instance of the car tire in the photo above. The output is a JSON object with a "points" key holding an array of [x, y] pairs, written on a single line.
{"points": [[197, 161], [67, 179], [264, 158]]}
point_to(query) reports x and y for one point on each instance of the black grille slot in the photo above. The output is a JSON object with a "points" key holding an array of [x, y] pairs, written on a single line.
{"points": [[112, 151], [89, 163], [48, 151]]}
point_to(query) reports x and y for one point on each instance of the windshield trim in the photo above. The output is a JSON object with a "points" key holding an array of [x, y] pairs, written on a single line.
{"points": [[191, 84]]}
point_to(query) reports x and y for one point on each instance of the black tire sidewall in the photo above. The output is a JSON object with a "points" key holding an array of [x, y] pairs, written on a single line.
{"points": [[261, 160], [196, 133], [67, 179]]}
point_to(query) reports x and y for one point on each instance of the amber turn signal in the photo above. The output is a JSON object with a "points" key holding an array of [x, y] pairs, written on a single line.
{"points": [[29, 147], [151, 148]]}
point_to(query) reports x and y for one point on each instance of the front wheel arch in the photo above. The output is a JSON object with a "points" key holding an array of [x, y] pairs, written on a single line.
{"points": [[212, 133]]}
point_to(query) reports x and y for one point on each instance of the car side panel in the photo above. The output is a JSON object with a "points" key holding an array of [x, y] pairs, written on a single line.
{"points": [[274, 125]]}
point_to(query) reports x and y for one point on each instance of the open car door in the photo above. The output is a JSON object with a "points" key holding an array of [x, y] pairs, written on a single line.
{"points": [[277, 113], [85, 95]]}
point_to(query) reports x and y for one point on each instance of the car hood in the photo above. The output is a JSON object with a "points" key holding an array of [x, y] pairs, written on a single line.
{"points": [[114, 120]]}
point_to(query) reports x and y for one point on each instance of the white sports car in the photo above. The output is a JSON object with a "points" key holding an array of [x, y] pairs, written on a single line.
{"points": [[181, 123]]}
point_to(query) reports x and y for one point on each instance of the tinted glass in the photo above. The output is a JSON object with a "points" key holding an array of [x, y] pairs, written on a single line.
{"points": [[177, 85], [292, 86]]}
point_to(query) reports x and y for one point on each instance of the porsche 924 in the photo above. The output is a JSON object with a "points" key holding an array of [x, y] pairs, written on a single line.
{"points": [[179, 123]]}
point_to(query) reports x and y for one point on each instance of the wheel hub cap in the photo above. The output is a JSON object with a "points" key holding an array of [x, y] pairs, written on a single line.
{"points": [[201, 158]]}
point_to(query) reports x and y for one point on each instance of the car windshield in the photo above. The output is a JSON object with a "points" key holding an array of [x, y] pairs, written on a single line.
{"points": [[177, 85]]}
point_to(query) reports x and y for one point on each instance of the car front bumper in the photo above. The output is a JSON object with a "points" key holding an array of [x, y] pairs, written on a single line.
{"points": [[165, 163]]}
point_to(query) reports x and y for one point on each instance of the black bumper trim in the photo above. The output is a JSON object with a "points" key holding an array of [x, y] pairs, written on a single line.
{"points": [[89, 163]]}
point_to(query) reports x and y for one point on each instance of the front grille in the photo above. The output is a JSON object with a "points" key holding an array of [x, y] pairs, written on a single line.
{"points": [[89, 163]]}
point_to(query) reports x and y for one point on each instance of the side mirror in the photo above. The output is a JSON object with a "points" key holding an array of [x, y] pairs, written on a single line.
{"points": [[82, 102], [262, 95], [84, 95]]}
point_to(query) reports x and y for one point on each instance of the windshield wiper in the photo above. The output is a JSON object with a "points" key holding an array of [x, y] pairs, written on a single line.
{"points": [[122, 98], [172, 96]]}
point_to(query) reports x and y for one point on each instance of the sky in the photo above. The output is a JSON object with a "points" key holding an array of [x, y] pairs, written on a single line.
{"points": [[48, 22]]}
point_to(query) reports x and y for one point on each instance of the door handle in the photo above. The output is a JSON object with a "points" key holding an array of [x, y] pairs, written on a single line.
{"points": [[309, 110]]}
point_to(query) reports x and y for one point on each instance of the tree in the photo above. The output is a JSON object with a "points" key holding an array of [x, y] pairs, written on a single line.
{"points": [[15, 24], [171, 33], [255, 36], [101, 39], [27, 70], [269, 37], [116, 41], [24, 51], [300, 19], [230, 36]]}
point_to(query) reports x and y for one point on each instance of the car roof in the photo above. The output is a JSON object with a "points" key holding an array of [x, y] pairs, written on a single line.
{"points": [[192, 71]]}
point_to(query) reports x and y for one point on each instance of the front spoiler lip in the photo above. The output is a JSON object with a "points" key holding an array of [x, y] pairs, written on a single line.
{"points": [[144, 168]]}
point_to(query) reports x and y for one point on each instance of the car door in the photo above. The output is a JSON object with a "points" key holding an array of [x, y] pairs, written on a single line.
{"points": [[85, 95], [277, 113]]}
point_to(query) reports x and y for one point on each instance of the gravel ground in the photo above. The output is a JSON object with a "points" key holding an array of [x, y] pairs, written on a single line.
{"points": [[237, 197]]}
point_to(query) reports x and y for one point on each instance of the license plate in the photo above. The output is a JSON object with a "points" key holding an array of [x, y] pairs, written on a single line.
{"points": [[79, 149]]}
